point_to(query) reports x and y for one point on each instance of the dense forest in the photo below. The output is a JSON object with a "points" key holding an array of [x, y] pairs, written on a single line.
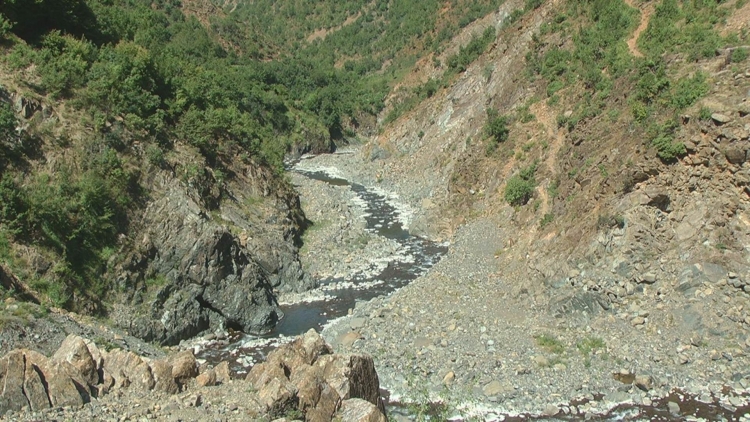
{"points": [[141, 76]]}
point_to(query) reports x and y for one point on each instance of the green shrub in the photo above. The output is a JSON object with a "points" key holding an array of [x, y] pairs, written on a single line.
{"points": [[688, 90], [155, 155], [496, 129], [5, 26], [704, 113], [518, 190], [739, 55], [667, 149], [7, 122]]}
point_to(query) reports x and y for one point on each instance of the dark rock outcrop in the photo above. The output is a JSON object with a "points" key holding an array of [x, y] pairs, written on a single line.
{"points": [[196, 267]]}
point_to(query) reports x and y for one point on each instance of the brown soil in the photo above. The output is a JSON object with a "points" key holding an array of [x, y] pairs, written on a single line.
{"points": [[646, 13], [738, 20]]}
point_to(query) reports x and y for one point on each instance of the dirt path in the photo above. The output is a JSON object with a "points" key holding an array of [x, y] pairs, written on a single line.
{"points": [[557, 138], [646, 13]]}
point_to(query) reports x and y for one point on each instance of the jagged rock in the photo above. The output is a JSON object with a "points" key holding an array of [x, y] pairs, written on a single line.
{"points": [[96, 353], [357, 410], [128, 369], [720, 118], [211, 277], [34, 389], [306, 376], [223, 375], [163, 376], [65, 384], [278, 397], [27, 107], [206, 379], [75, 351], [184, 367], [11, 379]]}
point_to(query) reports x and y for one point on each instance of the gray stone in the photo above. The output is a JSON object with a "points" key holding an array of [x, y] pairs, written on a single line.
{"points": [[649, 278], [358, 410], [644, 382], [550, 410], [720, 118], [674, 408], [735, 155], [356, 323], [75, 351], [638, 321], [495, 388]]}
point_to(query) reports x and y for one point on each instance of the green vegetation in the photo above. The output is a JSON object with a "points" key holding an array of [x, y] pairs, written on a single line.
{"points": [[599, 59], [547, 219], [684, 27], [739, 55], [470, 52], [550, 344], [141, 76], [589, 345], [520, 187], [496, 129]]}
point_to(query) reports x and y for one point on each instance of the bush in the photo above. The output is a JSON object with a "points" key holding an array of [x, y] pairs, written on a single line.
{"points": [[520, 187], [688, 90], [739, 55], [518, 190], [7, 121], [667, 149], [496, 129]]}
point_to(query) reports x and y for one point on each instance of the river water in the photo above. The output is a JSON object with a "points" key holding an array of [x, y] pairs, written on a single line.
{"points": [[382, 218]]}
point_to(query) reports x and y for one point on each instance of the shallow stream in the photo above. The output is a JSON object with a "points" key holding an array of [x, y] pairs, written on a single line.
{"points": [[382, 218]]}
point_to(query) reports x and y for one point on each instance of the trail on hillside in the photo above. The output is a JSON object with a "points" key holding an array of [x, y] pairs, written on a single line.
{"points": [[645, 19], [556, 137]]}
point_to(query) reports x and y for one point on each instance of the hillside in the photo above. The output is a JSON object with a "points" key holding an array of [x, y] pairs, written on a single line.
{"points": [[585, 159], [142, 148]]}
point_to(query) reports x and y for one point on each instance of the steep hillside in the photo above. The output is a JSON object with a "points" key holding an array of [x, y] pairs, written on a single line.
{"points": [[142, 146], [590, 168]]}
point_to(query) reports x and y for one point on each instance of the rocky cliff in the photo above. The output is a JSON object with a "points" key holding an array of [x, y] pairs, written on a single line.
{"points": [[200, 251], [198, 266]]}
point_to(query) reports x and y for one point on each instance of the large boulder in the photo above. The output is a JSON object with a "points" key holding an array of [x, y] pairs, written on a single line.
{"points": [[358, 410], [12, 369], [129, 370], [75, 351], [164, 380], [305, 376], [184, 367]]}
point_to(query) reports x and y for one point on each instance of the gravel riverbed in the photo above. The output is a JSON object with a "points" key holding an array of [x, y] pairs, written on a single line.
{"points": [[465, 334]]}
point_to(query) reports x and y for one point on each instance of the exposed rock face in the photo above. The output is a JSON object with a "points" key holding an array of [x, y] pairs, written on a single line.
{"points": [[79, 371], [216, 263], [305, 376]]}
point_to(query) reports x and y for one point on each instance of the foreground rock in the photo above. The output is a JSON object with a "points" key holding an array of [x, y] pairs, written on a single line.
{"points": [[80, 371], [302, 380], [305, 376]]}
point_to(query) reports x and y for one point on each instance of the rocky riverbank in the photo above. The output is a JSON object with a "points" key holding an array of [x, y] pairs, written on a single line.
{"points": [[470, 335], [301, 380]]}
